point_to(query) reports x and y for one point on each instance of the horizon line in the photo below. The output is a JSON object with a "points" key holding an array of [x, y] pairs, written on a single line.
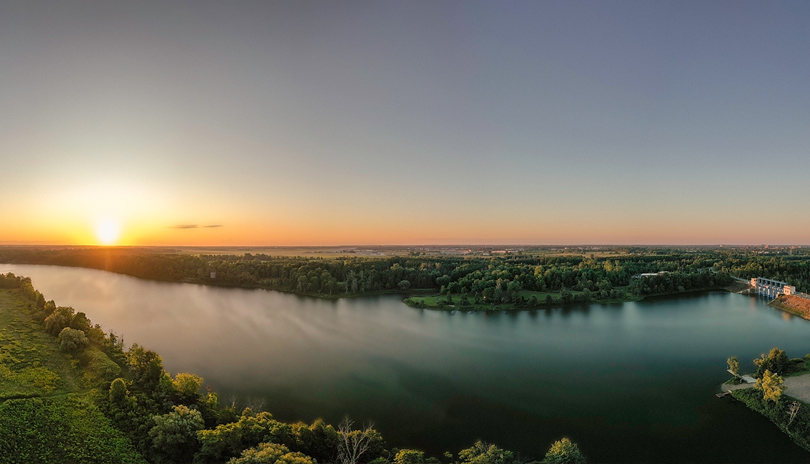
{"points": [[456, 245]]}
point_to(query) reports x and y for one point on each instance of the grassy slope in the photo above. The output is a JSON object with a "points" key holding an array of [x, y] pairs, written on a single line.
{"points": [[31, 363], [46, 410], [793, 304]]}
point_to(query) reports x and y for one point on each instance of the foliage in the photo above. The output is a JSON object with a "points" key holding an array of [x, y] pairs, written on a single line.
{"points": [[31, 362], [229, 440], [409, 456], [145, 367], [59, 430], [496, 279], [174, 435], [271, 453], [187, 387], [484, 453], [59, 320], [771, 386], [318, 440], [354, 444], [564, 452], [72, 341], [776, 361], [733, 365], [98, 365], [118, 391]]}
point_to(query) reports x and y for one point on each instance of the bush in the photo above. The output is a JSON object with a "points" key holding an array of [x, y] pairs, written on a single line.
{"points": [[99, 364], [72, 340], [60, 319]]}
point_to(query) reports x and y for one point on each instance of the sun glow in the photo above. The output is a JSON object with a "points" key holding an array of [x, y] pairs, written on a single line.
{"points": [[107, 231]]}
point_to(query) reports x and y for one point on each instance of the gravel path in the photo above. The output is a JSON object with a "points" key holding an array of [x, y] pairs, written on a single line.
{"points": [[798, 387]]}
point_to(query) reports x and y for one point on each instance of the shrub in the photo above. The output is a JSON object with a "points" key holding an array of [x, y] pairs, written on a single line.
{"points": [[72, 340]]}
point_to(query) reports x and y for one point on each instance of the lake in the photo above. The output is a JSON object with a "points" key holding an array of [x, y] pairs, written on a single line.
{"points": [[632, 382]]}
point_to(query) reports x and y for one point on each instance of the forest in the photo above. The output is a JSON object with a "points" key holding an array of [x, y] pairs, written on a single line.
{"points": [[511, 281], [69, 392]]}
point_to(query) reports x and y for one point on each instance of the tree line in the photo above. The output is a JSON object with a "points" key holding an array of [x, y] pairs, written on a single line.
{"points": [[498, 279]]}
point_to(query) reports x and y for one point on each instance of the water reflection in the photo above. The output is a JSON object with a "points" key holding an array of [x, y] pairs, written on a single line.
{"points": [[630, 383]]}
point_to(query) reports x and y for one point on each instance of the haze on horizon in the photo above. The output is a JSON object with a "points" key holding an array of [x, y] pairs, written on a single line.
{"points": [[382, 122]]}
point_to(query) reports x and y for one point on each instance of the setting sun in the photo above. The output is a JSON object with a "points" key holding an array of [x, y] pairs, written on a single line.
{"points": [[107, 231]]}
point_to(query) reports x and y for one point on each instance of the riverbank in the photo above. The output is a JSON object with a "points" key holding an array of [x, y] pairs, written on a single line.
{"points": [[796, 427], [792, 304], [542, 300]]}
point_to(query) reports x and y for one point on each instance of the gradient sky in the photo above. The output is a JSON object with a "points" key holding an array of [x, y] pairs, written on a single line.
{"points": [[418, 122]]}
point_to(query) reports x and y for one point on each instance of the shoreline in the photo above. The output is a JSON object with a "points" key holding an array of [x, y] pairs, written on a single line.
{"points": [[555, 304], [419, 293], [792, 304]]}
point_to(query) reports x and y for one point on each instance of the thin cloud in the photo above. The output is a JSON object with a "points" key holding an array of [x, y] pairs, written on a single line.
{"points": [[212, 226], [184, 226]]}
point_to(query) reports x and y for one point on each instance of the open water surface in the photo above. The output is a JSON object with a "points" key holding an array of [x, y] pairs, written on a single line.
{"points": [[632, 382]]}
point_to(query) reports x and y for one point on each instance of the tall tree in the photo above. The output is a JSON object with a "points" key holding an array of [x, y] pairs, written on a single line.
{"points": [[772, 386]]}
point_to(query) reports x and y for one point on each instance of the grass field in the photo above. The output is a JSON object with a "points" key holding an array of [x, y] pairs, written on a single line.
{"points": [[31, 363], [47, 412]]}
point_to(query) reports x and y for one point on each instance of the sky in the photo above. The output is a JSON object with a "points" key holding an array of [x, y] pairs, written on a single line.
{"points": [[421, 122]]}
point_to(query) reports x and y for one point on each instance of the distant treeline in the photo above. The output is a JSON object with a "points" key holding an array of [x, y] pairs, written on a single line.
{"points": [[496, 278]]}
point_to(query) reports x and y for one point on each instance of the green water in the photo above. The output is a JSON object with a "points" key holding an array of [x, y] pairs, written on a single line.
{"points": [[632, 382]]}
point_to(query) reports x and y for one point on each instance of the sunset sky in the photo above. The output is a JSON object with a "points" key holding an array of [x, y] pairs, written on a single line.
{"points": [[409, 122]]}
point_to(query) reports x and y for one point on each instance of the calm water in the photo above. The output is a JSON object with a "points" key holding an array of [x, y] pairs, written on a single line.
{"points": [[633, 382]]}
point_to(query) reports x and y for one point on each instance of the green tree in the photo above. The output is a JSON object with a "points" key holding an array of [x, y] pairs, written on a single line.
{"points": [[72, 341], [564, 452], [776, 361], [409, 456], [174, 436], [271, 453], [229, 440], [145, 367], [318, 440], [771, 385], [118, 391], [80, 321], [404, 285], [187, 387], [484, 453], [60, 319]]}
